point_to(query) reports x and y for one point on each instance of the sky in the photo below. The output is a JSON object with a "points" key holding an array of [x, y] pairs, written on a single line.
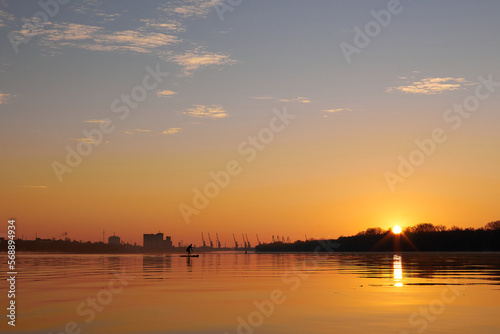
{"points": [[290, 118]]}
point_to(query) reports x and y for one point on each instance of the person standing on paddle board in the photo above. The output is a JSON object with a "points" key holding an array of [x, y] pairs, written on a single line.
{"points": [[189, 249]]}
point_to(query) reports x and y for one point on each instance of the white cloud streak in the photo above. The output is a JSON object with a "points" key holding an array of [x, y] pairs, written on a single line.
{"points": [[201, 111], [189, 8], [336, 110], [195, 59], [95, 121], [165, 93], [4, 97], [430, 86], [172, 131]]}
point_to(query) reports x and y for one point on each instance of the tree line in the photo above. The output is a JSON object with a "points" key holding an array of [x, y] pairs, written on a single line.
{"points": [[424, 237]]}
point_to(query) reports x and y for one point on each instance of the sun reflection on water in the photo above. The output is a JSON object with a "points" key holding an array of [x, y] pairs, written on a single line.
{"points": [[397, 266]]}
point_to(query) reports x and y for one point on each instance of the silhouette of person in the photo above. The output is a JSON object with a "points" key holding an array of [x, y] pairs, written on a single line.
{"points": [[189, 249]]}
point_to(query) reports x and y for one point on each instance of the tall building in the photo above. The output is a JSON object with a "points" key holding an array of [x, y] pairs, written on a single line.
{"points": [[167, 242], [114, 240], [155, 242]]}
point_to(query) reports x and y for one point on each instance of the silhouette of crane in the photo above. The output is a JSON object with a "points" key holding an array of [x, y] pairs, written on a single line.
{"points": [[203, 239], [258, 241], [210, 240], [244, 241], [235, 242], [218, 242], [248, 241]]}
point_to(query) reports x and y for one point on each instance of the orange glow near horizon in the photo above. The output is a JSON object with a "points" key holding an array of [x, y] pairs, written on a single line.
{"points": [[284, 193]]}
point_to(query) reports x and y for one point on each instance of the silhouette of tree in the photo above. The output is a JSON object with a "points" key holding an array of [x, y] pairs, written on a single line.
{"points": [[493, 225], [423, 227], [372, 231], [440, 228]]}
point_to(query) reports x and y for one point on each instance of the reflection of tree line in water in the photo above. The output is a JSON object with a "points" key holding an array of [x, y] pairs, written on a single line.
{"points": [[423, 237], [446, 266]]}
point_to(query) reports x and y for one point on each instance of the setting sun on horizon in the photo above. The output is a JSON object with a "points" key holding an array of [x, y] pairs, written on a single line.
{"points": [[396, 229]]}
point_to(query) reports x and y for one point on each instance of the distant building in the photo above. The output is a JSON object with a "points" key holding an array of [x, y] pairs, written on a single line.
{"points": [[43, 241], [155, 242], [167, 242], [114, 240]]}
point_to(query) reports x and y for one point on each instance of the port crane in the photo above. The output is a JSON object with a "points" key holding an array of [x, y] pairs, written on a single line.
{"points": [[218, 242], [248, 241], [244, 241], [203, 239], [210, 240], [235, 242], [258, 241]]}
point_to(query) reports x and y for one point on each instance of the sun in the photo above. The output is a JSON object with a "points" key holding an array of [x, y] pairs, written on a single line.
{"points": [[396, 229]]}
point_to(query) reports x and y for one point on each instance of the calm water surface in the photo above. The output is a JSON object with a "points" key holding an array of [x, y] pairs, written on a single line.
{"points": [[258, 293]]}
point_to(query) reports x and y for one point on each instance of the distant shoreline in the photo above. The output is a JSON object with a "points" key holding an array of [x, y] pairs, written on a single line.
{"points": [[420, 238]]}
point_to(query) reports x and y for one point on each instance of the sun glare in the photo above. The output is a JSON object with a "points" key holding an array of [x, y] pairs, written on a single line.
{"points": [[396, 229]]}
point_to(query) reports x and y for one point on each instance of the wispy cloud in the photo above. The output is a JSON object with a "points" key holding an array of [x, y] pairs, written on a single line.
{"points": [[39, 187], [336, 110], [4, 97], [144, 41], [136, 40], [299, 99], [165, 93], [95, 121], [152, 35], [5, 18], [58, 35], [189, 8], [71, 32], [132, 132], [169, 131], [429, 86], [172, 26], [157, 35], [202, 111], [172, 131], [194, 59], [88, 140], [91, 9]]}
